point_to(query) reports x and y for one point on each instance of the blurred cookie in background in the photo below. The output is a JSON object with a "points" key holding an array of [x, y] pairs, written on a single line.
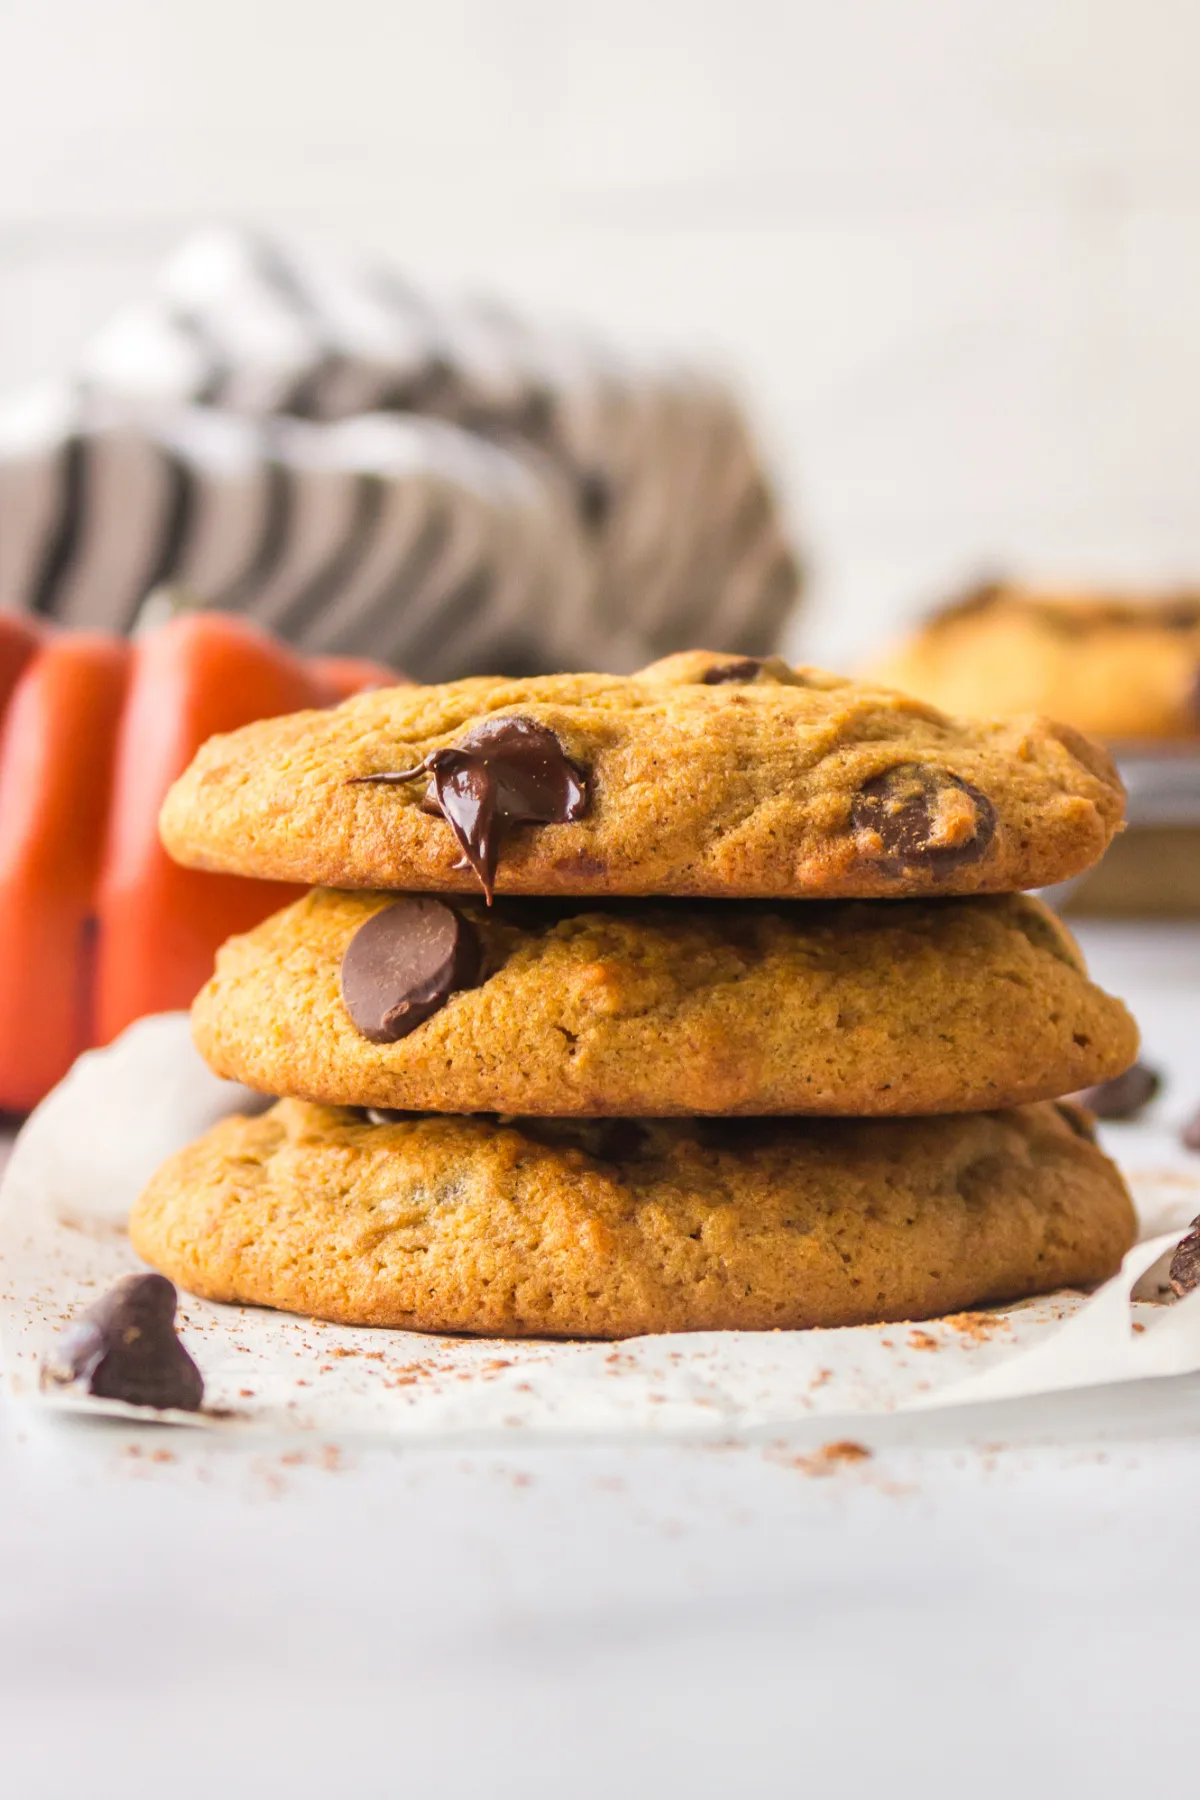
{"points": [[1122, 667], [304, 438]]}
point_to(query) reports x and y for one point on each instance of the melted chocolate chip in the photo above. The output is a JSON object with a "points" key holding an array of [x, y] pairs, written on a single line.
{"points": [[1183, 1272], [913, 817], [124, 1347], [504, 772], [1124, 1096], [403, 965], [1077, 1118]]}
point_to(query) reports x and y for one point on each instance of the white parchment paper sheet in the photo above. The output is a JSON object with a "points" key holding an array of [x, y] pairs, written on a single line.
{"points": [[83, 1156]]}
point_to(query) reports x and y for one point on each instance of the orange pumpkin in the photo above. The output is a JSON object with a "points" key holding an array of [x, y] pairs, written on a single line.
{"points": [[97, 925]]}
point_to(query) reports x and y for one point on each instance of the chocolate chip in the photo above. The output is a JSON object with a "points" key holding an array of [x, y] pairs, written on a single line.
{"points": [[1077, 1118], [745, 668], [504, 772], [913, 817], [1191, 1133], [1124, 1096], [1184, 1270], [403, 965], [384, 1115], [750, 668], [124, 1347]]}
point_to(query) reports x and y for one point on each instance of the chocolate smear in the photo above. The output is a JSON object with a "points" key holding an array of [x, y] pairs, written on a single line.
{"points": [[1184, 1270], [124, 1347], [917, 818], [403, 965], [1124, 1096], [504, 772]]}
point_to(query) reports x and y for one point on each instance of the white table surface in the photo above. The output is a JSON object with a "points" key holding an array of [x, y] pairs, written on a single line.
{"points": [[995, 1596]]}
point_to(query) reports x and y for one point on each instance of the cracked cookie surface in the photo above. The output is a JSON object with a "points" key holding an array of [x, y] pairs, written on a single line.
{"points": [[703, 775], [655, 1008], [611, 1229]]}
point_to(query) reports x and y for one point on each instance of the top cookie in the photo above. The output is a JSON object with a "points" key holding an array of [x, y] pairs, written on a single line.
{"points": [[1120, 667], [703, 775]]}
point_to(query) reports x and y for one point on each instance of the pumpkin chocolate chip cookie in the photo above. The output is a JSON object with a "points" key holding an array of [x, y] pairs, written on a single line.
{"points": [[615, 1228], [1121, 666], [657, 1007], [705, 775]]}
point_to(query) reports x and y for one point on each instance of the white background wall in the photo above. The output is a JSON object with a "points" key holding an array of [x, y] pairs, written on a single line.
{"points": [[948, 246]]}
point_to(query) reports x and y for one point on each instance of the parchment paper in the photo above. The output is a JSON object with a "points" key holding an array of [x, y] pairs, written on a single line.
{"points": [[83, 1156]]}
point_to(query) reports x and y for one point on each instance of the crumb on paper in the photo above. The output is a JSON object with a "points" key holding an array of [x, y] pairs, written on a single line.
{"points": [[843, 1450], [980, 1327], [827, 1459], [922, 1340]]}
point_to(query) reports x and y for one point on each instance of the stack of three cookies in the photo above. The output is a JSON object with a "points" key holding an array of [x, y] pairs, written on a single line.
{"points": [[701, 999]]}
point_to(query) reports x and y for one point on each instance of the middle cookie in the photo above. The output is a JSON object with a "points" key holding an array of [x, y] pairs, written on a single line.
{"points": [[660, 1008]]}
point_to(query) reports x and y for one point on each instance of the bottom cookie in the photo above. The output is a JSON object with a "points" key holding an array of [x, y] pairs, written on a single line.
{"points": [[612, 1228]]}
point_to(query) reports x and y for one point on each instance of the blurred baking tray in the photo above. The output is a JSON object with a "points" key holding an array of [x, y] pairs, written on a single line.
{"points": [[1153, 868]]}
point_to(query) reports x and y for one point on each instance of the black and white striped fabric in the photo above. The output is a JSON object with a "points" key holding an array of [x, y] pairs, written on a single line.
{"points": [[308, 441]]}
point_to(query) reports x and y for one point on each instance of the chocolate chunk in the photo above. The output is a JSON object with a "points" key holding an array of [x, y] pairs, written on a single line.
{"points": [[913, 817], [504, 772], [1191, 1133], [384, 1115], [1124, 1096], [124, 1347], [1077, 1118], [403, 965], [1184, 1270]]}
